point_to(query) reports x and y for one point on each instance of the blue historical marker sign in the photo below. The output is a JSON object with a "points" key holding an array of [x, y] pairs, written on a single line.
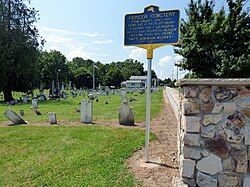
{"points": [[152, 27]]}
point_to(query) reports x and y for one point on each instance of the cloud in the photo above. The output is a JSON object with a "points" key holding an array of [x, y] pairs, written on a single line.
{"points": [[137, 53], [163, 61], [71, 44], [108, 41]]}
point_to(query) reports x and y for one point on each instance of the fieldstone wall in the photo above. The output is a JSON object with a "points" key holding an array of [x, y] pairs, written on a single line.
{"points": [[215, 132]]}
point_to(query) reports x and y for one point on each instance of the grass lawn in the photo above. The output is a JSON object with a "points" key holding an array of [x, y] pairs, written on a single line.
{"points": [[67, 156], [83, 155], [101, 111]]}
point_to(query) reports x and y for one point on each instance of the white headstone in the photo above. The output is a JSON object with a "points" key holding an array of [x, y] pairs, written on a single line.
{"points": [[52, 118], [34, 103], [12, 116], [86, 111]]}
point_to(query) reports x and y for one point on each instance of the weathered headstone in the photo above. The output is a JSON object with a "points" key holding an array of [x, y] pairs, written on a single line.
{"points": [[34, 103], [22, 112], [126, 115], [52, 118], [25, 98], [64, 95], [42, 96], [86, 111], [123, 95], [63, 87], [12, 116]]}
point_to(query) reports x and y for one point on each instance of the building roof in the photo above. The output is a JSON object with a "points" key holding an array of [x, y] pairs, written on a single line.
{"points": [[133, 81], [138, 77]]}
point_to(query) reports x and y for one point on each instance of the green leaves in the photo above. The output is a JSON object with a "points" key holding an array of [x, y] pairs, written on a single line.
{"points": [[215, 44]]}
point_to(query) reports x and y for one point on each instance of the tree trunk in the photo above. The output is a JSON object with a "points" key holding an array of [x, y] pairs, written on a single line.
{"points": [[7, 95]]}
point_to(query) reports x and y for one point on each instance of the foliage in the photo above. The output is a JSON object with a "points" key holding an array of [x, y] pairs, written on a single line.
{"points": [[215, 44], [105, 74], [19, 42], [52, 67]]}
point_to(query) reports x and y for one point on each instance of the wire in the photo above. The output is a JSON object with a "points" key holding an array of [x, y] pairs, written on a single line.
{"points": [[220, 5]]}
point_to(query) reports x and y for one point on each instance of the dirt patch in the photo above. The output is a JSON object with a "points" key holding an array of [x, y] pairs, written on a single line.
{"points": [[162, 152]]}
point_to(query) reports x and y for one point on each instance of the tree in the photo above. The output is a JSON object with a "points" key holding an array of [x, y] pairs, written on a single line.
{"points": [[81, 72], [19, 43], [82, 78], [215, 44], [52, 67], [113, 77]]}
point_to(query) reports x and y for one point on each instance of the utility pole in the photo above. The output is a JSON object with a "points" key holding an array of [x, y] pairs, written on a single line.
{"points": [[93, 74]]}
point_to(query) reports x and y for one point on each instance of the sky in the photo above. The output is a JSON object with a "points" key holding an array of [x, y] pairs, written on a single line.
{"points": [[94, 29]]}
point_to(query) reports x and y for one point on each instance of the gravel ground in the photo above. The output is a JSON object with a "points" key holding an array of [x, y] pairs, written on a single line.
{"points": [[162, 152]]}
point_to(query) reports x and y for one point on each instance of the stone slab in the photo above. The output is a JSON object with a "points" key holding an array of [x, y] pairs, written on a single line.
{"points": [[14, 117], [229, 179], [191, 123], [187, 168], [86, 111], [205, 180], [189, 152], [125, 114], [52, 118], [210, 164], [191, 139]]}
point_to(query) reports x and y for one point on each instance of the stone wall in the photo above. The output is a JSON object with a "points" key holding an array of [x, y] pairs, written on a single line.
{"points": [[215, 132]]}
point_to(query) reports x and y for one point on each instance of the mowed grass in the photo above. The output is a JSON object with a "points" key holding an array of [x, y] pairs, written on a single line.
{"points": [[64, 109], [67, 156], [80, 155]]}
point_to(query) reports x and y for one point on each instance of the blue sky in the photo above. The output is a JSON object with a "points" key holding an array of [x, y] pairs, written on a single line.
{"points": [[94, 29]]}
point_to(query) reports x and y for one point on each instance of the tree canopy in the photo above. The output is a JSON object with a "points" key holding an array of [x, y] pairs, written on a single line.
{"points": [[215, 44], [19, 42]]}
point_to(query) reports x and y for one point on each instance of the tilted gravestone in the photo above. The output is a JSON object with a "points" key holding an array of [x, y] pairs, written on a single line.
{"points": [[86, 111], [126, 115], [12, 116], [52, 118]]}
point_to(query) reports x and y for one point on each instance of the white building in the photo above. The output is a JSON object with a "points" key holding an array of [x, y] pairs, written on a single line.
{"points": [[135, 82]]}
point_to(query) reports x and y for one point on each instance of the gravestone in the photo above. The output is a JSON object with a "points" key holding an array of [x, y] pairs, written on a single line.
{"points": [[42, 96], [63, 87], [123, 95], [25, 98], [86, 111], [34, 103], [52, 118], [12, 116], [126, 115], [64, 95], [22, 112]]}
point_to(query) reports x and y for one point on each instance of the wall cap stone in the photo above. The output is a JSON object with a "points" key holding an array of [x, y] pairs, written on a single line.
{"points": [[243, 81]]}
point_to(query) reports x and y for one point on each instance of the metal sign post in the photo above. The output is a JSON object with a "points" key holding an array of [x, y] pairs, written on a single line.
{"points": [[148, 103], [150, 30]]}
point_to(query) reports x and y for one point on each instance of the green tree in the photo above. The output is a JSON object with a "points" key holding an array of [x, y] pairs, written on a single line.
{"points": [[52, 67], [215, 44], [81, 72], [19, 42], [113, 77], [82, 78]]}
